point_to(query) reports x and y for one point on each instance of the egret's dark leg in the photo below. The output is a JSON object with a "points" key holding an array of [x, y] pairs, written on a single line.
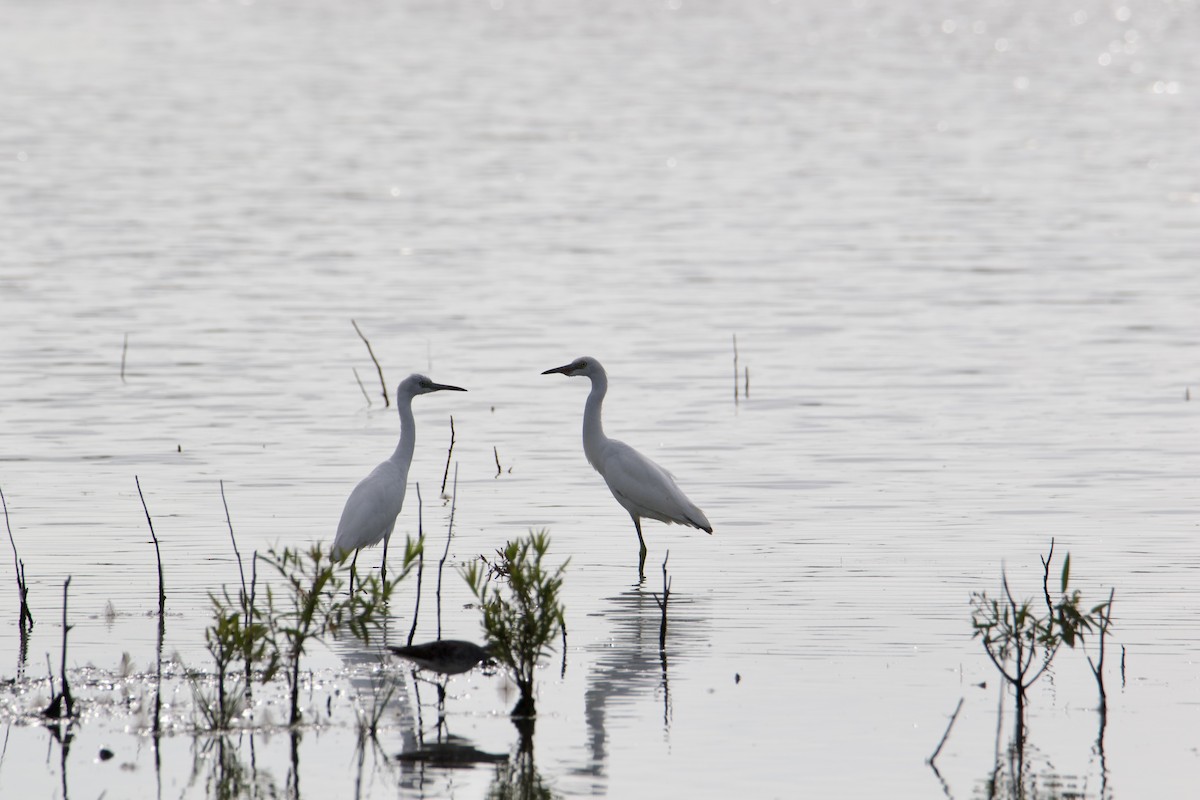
{"points": [[637, 524], [353, 561]]}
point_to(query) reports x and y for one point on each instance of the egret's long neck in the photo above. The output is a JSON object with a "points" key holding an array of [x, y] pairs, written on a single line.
{"points": [[593, 431], [408, 432]]}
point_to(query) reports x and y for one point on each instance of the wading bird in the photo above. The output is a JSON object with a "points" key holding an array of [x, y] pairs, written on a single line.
{"points": [[445, 656], [371, 510], [642, 487]]}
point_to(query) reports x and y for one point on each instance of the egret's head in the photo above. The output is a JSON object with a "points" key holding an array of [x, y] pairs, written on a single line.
{"points": [[419, 384], [584, 365]]}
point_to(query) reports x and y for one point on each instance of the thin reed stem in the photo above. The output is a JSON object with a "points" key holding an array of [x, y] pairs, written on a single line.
{"points": [[382, 383]]}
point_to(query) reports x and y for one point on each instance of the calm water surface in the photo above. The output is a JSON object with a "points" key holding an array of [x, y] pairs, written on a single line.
{"points": [[957, 245]]}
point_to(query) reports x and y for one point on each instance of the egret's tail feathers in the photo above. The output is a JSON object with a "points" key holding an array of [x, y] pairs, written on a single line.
{"points": [[703, 523]]}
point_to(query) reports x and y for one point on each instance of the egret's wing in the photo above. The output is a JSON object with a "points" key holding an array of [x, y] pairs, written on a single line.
{"points": [[370, 511], [646, 489]]}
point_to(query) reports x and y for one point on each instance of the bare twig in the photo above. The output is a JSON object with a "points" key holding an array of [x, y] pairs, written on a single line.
{"points": [[945, 735], [386, 400], [162, 620], [22, 586], [1098, 665], [746, 390], [1046, 578], [124, 349], [232, 538], [446, 552], [499, 469], [361, 388], [735, 370], [246, 598], [61, 703], [66, 690], [162, 596], [248, 611], [662, 605], [420, 563], [562, 627], [446, 471]]}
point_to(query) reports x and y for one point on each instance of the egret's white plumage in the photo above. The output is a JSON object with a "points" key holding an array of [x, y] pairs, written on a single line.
{"points": [[371, 510], [642, 487]]}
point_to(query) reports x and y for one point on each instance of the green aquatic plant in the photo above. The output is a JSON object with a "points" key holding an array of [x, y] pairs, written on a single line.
{"points": [[234, 635], [1021, 640], [311, 605], [521, 621]]}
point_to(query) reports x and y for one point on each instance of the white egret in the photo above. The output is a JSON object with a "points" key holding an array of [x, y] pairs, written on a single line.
{"points": [[445, 656], [642, 487], [371, 510]]}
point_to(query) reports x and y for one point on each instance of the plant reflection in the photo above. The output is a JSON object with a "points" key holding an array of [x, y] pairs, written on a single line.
{"points": [[631, 663], [1021, 770], [217, 760], [62, 731], [518, 777]]}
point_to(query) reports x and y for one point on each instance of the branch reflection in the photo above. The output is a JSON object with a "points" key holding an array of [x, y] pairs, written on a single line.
{"points": [[631, 665]]}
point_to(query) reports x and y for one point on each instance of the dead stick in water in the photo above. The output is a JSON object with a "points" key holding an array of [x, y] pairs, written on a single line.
{"points": [[496, 453], [19, 567], [420, 563], [162, 595], [162, 623], [232, 538], [562, 627], [361, 388], [735, 369], [246, 598], [945, 735], [62, 704], [662, 604], [446, 552], [66, 690], [124, 349], [446, 471], [386, 401]]}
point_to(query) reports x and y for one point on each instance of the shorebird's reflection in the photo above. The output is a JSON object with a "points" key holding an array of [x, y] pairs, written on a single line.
{"points": [[386, 687]]}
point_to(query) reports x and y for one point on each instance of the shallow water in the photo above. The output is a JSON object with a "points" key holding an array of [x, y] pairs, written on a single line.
{"points": [[955, 243]]}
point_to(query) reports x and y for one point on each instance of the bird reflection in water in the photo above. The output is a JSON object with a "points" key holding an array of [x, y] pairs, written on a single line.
{"points": [[629, 665]]}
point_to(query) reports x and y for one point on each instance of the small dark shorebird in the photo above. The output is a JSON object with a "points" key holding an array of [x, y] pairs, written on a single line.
{"points": [[445, 656]]}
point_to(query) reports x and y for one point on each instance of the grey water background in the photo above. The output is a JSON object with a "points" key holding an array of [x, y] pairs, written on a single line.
{"points": [[957, 243]]}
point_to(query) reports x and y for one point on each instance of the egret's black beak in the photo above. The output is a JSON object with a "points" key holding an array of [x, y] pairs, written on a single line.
{"points": [[564, 369], [438, 387]]}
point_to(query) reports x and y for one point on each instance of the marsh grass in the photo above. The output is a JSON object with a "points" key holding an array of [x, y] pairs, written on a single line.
{"points": [[1021, 640], [369, 714], [270, 632], [234, 635], [522, 620], [25, 618], [310, 607]]}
